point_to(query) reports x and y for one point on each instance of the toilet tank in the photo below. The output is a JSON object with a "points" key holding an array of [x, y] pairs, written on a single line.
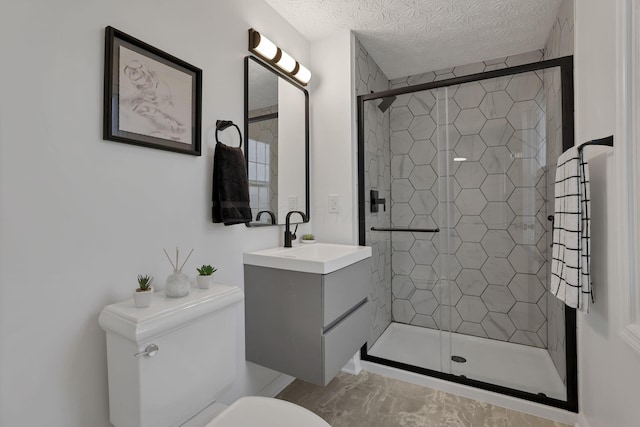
{"points": [[196, 340]]}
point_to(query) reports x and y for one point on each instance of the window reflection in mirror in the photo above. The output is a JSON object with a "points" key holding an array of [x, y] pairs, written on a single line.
{"points": [[276, 125]]}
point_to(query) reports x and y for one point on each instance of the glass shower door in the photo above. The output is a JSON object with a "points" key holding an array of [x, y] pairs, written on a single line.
{"points": [[429, 249], [446, 265], [470, 190], [414, 337], [498, 233]]}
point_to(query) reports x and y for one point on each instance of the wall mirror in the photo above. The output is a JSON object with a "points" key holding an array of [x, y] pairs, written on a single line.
{"points": [[276, 144]]}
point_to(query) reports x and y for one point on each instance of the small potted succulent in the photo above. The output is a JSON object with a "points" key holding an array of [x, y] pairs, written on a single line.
{"points": [[308, 238], [142, 296], [205, 274]]}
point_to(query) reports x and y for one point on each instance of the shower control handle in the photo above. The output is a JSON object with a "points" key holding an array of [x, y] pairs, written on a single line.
{"points": [[375, 201], [149, 351]]}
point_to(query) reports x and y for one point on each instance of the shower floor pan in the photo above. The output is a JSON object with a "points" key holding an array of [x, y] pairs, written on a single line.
{"points": [[506, 364]]}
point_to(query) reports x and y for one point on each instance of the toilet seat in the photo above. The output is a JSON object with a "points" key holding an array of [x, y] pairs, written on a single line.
{"points": [[266, 412]]}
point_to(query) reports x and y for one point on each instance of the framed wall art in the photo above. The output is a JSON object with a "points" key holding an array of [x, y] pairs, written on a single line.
{"points": [[151, 98]]}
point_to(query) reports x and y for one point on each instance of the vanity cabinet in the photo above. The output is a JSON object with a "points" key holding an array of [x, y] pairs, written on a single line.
{"points": [[304, 324]]}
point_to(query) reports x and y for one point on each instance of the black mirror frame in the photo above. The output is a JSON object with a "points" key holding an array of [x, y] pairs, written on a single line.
{"points": [[306, 127]]}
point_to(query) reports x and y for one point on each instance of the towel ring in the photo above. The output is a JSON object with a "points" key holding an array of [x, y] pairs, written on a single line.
{"points": [[222, 125]]}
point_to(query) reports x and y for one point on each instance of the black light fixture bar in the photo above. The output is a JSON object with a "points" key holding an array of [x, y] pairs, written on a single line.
{"points": [[265, 49]]}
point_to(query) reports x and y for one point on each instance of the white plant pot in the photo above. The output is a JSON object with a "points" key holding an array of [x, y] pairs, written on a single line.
{"points": [[143, 299], [205, 282], [177, 285], [307, 241]]}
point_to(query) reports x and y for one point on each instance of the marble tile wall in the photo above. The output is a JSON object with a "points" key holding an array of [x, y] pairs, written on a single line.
{"points": [[497, 244], [377, 174], [560, 43]]}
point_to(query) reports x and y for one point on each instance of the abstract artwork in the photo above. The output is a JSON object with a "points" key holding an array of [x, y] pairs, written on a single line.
{"points": [[151, 98]]}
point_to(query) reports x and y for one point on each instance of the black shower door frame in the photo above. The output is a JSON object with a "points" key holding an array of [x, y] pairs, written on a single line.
{"points": [[568, 140]]}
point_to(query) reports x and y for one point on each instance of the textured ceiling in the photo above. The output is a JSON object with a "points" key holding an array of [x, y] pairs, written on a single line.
{"points": [[408, 37]]}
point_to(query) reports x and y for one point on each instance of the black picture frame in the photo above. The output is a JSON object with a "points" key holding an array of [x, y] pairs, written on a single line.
{"points": [[154, 100]]}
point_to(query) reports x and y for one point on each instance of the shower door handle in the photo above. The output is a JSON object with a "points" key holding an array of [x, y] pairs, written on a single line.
{"points": [[414, 230]]}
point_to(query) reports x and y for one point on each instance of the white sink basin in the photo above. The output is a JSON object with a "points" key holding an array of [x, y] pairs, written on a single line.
{"points": [[320, 258]]}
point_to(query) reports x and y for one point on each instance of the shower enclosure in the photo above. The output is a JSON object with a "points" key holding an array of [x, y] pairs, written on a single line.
{"points": [[456, 199]]}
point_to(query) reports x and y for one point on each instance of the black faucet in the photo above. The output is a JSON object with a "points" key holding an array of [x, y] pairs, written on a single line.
{"points": [[271, 214], [288, 235]]}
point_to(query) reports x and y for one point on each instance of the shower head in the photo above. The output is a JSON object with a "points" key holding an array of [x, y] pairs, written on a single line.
{"points": [[386, 103]]}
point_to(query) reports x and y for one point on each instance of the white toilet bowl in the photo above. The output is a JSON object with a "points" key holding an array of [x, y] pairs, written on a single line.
{"points": [[266, 412]]}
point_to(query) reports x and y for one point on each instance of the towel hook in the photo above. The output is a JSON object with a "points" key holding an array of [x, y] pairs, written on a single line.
{"points": [[222, 125]]}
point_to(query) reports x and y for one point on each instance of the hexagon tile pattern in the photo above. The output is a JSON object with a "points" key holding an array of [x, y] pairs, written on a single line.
{"points": [[493, 278], [377, 174]]}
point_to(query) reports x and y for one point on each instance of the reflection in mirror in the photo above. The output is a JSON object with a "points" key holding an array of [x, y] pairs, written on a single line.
{"points": [[276, 125]]}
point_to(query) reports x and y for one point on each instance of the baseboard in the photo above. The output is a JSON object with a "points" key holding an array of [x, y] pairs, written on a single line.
{"points": [[582, 421], [353, 366], [276, 386]]}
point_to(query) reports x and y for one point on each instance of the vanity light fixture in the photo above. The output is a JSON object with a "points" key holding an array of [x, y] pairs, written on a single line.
{"points": [[267, 50]]}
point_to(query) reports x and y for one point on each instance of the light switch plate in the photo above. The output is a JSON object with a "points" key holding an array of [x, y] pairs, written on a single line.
{"points": [[334, 203]]}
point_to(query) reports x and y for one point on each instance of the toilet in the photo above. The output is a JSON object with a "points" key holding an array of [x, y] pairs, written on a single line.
{"points": [[168, 363]]}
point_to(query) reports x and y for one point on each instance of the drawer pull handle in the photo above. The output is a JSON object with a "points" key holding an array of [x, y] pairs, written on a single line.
{"points": [[346, 314]]}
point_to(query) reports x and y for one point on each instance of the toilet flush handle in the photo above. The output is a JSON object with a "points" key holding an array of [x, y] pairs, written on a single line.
{"points": [[150, 351]]}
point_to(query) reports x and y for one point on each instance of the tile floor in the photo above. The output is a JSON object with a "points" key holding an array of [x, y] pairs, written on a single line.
{"points": [[369, 400]]}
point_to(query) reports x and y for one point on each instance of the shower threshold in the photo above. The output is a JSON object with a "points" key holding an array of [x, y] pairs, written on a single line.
{"points": [[504, 364]]}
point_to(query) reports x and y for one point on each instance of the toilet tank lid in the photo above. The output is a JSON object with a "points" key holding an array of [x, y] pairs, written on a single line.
{"points": [[165, 314]]}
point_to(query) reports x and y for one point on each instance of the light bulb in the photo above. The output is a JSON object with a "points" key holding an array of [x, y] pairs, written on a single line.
{"points": [[286, 62], [266, 47], [303, 74]]}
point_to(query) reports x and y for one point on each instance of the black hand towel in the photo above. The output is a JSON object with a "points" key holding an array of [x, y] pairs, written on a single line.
{"points": [[230, 186]]}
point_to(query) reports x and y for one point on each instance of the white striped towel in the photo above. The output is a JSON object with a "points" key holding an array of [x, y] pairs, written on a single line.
{"points": [[571, 262]]}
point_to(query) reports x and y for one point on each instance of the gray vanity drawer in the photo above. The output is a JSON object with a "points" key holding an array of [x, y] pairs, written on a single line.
{"points": [[345, 288], [306, 325], [343, 341]]}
